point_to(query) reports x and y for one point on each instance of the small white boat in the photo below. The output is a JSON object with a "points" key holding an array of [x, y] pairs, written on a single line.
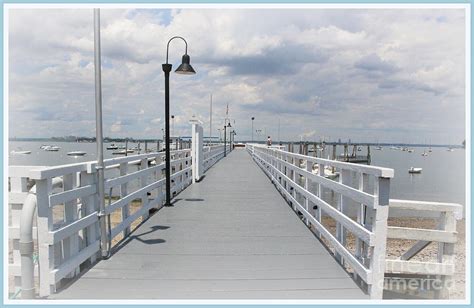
{"points": [[122, 152], [410, 150], [379, 148], [76, 153], [450, 150], [430, 150], [112, 147], [51, 148], [424, 154], [415, 170], [21, 152]]}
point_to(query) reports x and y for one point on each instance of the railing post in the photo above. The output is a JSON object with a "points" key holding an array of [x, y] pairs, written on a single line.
{"points": [[123, 193], [45, 224], [143, 183], [71, 244], [379, 229], [307, 183], [196, 150], [446, 254]]}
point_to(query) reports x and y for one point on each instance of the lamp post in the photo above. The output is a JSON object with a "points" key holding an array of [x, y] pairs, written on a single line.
{"points": [[225, 134], [186, 69], [99, 135], [253, 118]]}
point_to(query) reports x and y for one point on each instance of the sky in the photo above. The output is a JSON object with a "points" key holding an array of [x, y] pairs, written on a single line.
{"points": [[369, 75]]}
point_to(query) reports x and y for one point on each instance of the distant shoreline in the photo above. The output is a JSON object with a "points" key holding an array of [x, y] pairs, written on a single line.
{"points": [[136, 140]]}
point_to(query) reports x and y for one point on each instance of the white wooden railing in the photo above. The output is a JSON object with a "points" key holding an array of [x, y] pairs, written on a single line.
{"points": [[293, 176], [212, 154], [67, 221], [359, 207], [441, 233]]}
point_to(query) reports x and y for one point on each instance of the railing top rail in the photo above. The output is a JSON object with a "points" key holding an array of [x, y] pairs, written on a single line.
{"points": [[45, 172], [414, 205], [372, 170]]}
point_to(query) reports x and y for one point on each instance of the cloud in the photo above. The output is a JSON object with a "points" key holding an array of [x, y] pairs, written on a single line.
{"points": [[344, 73], [373, 63]]}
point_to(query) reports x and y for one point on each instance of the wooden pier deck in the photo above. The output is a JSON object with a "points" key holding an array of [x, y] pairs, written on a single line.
{"points": [[230, 236]]}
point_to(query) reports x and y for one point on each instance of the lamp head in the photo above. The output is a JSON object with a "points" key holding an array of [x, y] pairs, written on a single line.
{"points": [[185, 68]]}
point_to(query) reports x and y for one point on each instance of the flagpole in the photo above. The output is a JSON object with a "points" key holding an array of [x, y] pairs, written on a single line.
{"points": [[210, 122]]}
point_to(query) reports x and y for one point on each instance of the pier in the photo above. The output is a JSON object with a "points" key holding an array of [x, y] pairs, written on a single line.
{"points": [[256, 224]]}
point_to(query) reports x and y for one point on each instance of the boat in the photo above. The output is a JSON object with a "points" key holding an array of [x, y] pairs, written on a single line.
{"points": [[76, 153], [424, 154], [379, 148], [112, 147], [430, 150], [410, 150], [21, 152], [450, 150], [415, 170], [122, 152], [51, 148]]}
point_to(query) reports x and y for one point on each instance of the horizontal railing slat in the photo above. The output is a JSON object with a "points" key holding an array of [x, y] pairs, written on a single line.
{"points": [[72, 194], [426, 206], [131, 176], [418, 267], [65, 268], [72, 228], [422, 234]]}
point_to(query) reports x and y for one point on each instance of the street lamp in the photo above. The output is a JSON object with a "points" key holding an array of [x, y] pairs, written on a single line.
{"points": [[253, 118], [186, 69], [225, 133]]}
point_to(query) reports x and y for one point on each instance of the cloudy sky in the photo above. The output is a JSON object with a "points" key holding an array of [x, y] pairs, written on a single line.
{"points": [[366, 74]]}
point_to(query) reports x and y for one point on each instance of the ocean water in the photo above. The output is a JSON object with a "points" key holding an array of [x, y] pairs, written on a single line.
{"points": [[442, 178]]}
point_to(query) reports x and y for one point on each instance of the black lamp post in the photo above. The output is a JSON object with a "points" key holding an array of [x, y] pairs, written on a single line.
{"points": [[253, 118], [225, 134], [186, 69]]}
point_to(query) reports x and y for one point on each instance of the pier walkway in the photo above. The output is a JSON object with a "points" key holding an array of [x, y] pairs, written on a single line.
{"points": [[229, 236]]}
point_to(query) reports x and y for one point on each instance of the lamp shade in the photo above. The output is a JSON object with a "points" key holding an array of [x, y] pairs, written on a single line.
{"points": [[185, 68]]}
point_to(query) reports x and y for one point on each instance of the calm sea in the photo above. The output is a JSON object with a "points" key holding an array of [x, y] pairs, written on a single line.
{"points": [[442, 179]]}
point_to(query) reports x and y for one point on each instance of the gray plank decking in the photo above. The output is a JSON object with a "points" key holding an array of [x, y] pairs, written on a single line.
{"points": [[230, 236]]}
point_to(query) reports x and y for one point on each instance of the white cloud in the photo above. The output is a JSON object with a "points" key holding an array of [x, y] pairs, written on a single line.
{"points": [[341, 73]]}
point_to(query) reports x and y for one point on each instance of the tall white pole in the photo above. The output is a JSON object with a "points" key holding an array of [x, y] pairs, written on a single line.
{"points": [[210, 122], [279, 140], [99, 134]]}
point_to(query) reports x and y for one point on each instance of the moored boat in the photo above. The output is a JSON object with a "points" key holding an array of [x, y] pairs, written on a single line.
{"points": [[415, 170], [76, 153]]}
